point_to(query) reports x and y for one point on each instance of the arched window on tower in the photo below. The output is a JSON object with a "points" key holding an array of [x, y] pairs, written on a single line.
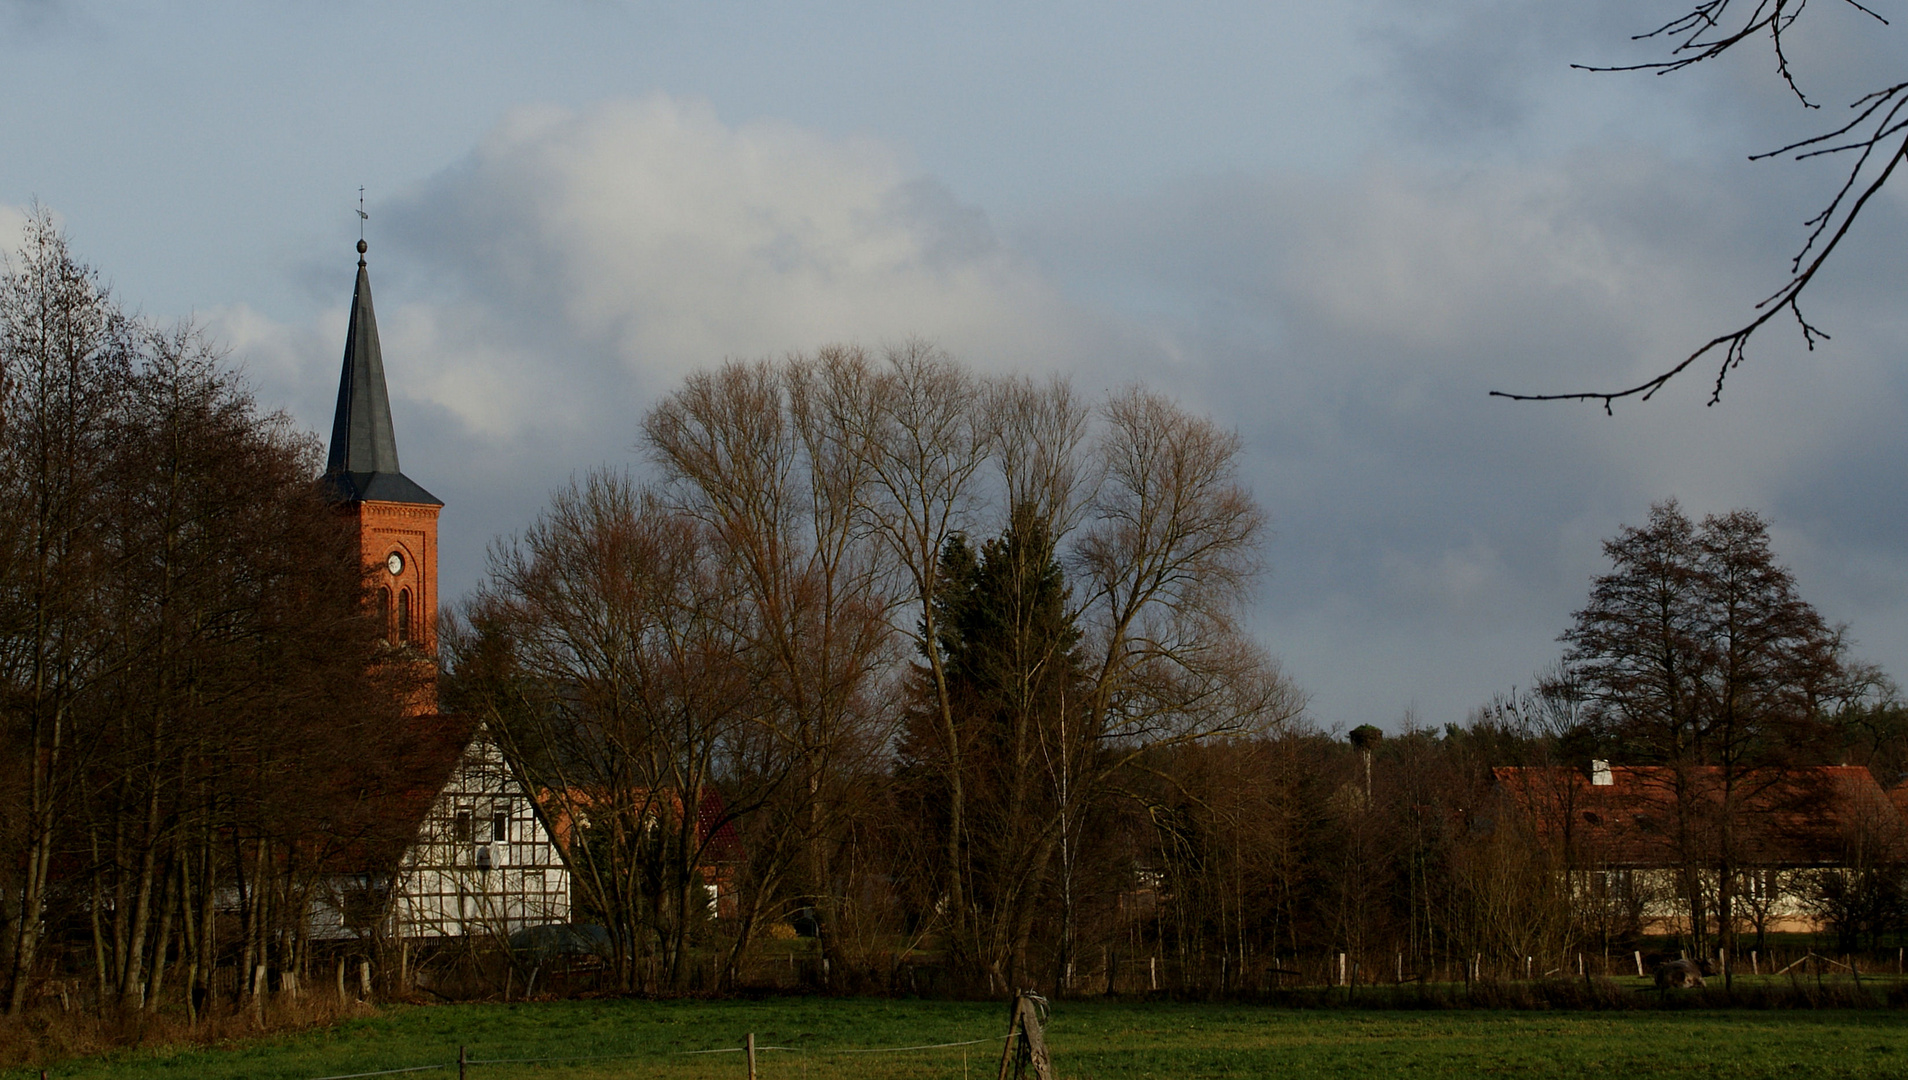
{"points": [[404, 616], [384, 611]]}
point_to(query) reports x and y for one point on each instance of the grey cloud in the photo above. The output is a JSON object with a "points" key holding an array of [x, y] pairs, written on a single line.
{"points": [[535, 297], [1478, 76], [1431, 542], [37, 15], [952, 233], [1484, 68]]}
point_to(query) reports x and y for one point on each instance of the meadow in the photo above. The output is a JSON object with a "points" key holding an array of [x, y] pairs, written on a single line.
{"points": [[829, 1037]]}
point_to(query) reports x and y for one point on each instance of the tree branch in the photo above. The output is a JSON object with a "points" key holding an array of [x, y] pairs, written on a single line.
{"points": [[1880, 116]]}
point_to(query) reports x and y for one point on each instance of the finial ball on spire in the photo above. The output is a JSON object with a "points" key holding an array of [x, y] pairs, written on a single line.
{"points": [[363, 247]]}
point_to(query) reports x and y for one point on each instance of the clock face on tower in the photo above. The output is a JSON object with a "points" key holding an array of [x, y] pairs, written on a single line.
{"points": [[394, 563]]}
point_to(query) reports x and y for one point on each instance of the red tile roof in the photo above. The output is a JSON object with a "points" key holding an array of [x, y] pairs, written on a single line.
{"points": [[1647, 816], [383, 798], [714, 831]]}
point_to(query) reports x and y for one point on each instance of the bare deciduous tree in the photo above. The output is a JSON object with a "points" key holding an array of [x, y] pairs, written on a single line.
{"points": [[1169, 555], [915, 426], [758, 453], [63, 348], [606, 655]]}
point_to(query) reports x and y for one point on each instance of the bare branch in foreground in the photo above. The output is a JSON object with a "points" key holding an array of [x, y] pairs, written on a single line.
{"points": [[1880, 117]]}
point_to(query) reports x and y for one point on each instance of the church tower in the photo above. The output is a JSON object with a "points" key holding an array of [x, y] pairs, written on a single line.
{"points": [[396, 519]]}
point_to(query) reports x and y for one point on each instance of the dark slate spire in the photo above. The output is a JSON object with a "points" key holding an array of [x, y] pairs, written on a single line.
{"points": [[361, 436], [364, 461]]}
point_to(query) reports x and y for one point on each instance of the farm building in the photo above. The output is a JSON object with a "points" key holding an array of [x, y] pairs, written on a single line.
{"points": [[1634, 840], [466, 850], [483, 862], [475, 855], [716, 849]]}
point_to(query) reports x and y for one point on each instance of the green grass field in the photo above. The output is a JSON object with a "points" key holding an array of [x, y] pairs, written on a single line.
{"points": [[1104, 1040]]}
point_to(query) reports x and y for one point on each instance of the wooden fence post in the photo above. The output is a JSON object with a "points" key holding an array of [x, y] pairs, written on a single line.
{"points": [[749, 1045], [1026, 1042], [1036, 1040], [1639, 963]]}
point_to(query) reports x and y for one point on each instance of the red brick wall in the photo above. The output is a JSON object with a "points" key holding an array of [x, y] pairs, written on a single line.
{"points": [[410, 529]]}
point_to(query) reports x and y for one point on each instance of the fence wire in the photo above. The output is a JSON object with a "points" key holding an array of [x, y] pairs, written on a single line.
{"points": [[817, 1050], [382, 1072], [899, 1049]]}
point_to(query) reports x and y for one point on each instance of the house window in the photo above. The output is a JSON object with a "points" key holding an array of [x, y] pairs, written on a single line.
{"points": [[461, 832], [499, 827], [384, 612], [404, 616]]}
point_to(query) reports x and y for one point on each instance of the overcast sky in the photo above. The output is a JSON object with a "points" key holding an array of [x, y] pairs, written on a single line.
{"points": [[1333, 226]]}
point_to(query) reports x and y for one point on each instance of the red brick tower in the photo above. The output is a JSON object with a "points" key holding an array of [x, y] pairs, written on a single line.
{"points": [[396, 519]]}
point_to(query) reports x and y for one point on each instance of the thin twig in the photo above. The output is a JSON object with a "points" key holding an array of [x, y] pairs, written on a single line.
{"points": [[1882, 113]]}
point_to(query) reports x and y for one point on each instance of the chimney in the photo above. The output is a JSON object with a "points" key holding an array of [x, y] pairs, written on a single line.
{"points": [[1600, 775]]}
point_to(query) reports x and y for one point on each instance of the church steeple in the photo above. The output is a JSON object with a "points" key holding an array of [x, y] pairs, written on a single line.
{"points": [[364, 461], [396, 519]]}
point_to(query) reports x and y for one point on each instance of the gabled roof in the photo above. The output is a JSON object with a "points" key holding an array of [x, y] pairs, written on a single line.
{"points": [[384, 799], [1646, 816], [363, 464], [715, 831], [1899, 796]]}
